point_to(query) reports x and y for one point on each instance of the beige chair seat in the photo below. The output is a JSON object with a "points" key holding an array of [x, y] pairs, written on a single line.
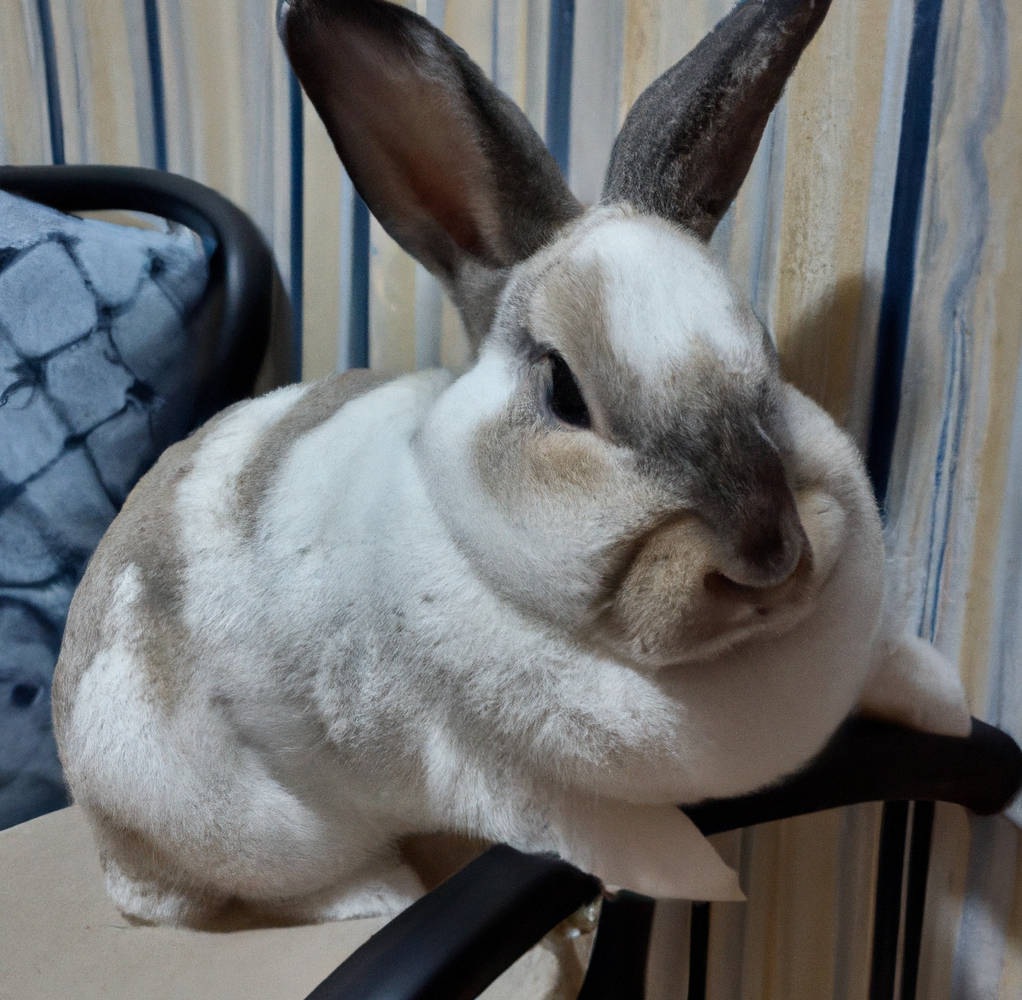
{"points": [[61, 937]]}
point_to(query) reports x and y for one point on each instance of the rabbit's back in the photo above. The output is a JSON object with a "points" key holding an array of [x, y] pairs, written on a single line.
{"points": [[148, 549]]}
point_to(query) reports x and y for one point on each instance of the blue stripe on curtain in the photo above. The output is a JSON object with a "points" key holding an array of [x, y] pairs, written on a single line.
{"points": [[1004, 707], [297, 209], [892, 337], [895, 305], [558, 102], [52, 81], [152, 34], [358, 304], [959, 299]]}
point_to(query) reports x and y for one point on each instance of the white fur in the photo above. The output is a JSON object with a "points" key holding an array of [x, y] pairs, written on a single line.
{"points": [[667, 296]]}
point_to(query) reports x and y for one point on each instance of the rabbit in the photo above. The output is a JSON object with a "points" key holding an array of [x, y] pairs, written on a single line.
{"points": [[617, 565]]}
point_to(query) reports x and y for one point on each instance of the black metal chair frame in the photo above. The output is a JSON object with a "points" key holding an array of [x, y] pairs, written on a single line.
{"points": [[452, 943]]}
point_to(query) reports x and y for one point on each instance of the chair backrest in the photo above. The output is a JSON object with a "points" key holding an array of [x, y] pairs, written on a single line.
{"points": [[240, 262], [114, 343]]}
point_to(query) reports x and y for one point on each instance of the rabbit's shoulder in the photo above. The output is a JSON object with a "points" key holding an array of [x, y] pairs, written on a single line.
{"points": [[320, 401]]}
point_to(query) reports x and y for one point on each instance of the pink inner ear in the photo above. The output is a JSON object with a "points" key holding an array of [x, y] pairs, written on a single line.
{"points": [[433, 189], [405, 142], [444, 173]]}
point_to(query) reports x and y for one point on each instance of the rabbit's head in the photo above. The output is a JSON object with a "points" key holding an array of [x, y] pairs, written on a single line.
{"points": [[623, 460]]}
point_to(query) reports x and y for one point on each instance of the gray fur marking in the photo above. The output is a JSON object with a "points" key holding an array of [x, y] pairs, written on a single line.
{"points": [[319, 403], [149, 542]]}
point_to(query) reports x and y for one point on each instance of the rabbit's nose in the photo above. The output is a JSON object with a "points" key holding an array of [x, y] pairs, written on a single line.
{"points": [[769, 542]]}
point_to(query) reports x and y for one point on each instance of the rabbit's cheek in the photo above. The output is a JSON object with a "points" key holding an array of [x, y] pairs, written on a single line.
{"points": [[565, 463], [826, 526], [515, 464], [661, 608]]}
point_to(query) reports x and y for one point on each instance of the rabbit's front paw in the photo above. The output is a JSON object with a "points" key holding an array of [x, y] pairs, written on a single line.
{"points": [[654, 850], [914, 684]]}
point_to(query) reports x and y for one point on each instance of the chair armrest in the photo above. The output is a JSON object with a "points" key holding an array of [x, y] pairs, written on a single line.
{"points": [[872, 761], [452, 943], [455, 941]]}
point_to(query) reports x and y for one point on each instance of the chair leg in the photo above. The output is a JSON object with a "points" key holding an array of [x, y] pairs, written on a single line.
{"points": [[617, 966], [887, 914], [915, 895], [699, 951]]}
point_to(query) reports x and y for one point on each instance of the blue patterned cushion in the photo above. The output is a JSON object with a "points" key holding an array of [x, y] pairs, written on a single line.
{"points": [[95, 343]]}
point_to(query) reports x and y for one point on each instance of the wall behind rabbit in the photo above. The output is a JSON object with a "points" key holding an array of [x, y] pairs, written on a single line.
{"points": [[884, 208]]}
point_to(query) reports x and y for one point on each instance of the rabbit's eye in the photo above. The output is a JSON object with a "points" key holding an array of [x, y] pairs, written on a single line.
{"points": [[566, 400]]}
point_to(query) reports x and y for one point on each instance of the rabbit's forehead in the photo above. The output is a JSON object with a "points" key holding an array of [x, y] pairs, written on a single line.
{"points": [[665, 299], [649, 298]]}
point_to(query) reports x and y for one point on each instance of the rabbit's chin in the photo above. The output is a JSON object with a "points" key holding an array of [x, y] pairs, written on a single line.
{"points": [[674, 606]]}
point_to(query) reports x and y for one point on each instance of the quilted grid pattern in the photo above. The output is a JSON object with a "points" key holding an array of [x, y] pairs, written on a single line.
{"points": [[95, 380]]}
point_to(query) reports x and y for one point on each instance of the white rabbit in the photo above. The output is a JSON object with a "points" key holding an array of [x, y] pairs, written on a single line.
{"points": [[617, 565]]}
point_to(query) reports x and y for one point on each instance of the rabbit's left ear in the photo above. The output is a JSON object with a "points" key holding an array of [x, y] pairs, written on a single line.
{"points": [[689, 140], [447, 163]]}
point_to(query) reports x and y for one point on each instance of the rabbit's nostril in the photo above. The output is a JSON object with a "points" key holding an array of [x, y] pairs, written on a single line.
{"points": [[762, 596]]}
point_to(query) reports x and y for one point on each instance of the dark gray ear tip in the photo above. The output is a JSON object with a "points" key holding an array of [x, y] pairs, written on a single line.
{"points": [[688, 141]]}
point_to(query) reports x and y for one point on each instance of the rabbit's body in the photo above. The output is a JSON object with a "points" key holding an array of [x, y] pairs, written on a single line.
{"points": [[537, 604]]}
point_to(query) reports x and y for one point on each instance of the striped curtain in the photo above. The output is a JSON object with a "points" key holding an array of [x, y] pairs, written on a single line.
{"points": [[879, 234]]}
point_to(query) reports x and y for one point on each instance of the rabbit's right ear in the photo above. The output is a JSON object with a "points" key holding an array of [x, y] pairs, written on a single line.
{"points": [[689, 139], [449, 165]]}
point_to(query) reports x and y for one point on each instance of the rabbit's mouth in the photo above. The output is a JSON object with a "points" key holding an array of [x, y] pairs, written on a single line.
{"points": [[763, 600], [675, 601]]}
